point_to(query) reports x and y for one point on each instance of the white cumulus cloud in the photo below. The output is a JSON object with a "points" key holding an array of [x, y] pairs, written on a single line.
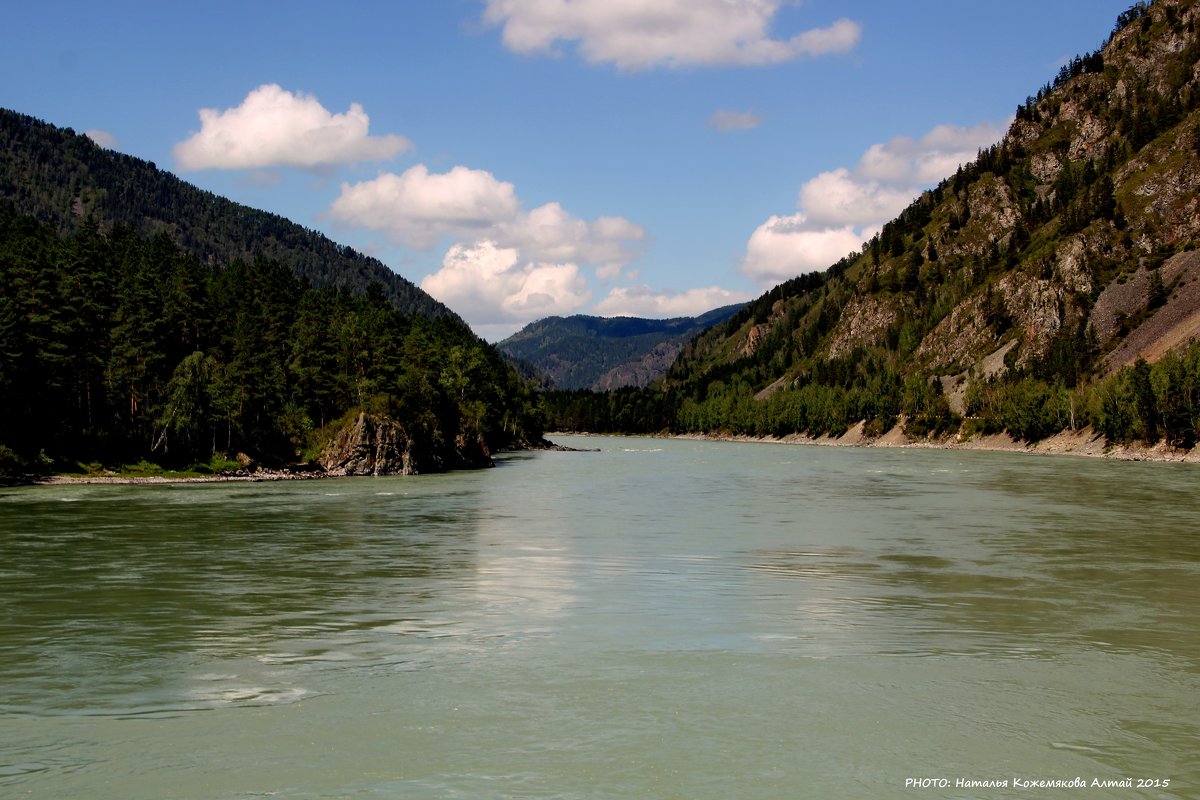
{"points": [[841, 198], [783, 247], [929, 159], [636, 35], [497, 291], [643, 301], [418, 207], [550, 233], [274, 127], [505, 266], [102, 138], [841, 208]]}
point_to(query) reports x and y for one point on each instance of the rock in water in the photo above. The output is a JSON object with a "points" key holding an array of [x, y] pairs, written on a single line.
{"points": [[376, 445], [371, 445]]}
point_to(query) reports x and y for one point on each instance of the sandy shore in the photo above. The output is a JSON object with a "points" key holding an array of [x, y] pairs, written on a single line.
{"points": [[1068, 443]]}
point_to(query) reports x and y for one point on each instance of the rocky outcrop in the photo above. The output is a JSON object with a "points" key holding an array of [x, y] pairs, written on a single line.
{"points": [[755, 337], [1175, 324], [1125, 297], [376, 445], [1167, 187], [370, 445], [994, 215], [864, 321], [957, 340], [1074, 256], [1035, 306], [642, 371], [1089, 133]]}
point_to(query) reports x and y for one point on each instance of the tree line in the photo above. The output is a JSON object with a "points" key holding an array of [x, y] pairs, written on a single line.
{"points": [[116, 347], [1140, 403], [64, 178]]}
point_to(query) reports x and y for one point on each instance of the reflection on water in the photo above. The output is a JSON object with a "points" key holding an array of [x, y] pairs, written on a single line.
{"points": [[658, 619], [109, 602]]}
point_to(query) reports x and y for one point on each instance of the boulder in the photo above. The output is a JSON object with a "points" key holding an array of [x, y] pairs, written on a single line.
{"points": [[370, 445], [377, 445]]}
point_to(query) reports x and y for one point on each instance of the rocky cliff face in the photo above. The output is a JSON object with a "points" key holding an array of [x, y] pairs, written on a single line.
{"points": [[1054, 244], [375, 445], [864, 321]]}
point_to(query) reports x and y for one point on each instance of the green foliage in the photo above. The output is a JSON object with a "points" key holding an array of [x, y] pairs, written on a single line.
{"points": [[115, 348], [67, 180], [625, 410], [1143, 402], [1152, 402], [927, 409], [994, 236], [11, 463]]}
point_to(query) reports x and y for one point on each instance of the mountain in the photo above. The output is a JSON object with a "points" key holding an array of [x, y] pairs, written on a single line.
{"points": [[1053, 283], [143, 319], [65, 179], [601, 353]]}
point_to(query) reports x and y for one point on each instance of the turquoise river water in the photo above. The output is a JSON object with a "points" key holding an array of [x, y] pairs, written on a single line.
{"points": [[659, 619]]}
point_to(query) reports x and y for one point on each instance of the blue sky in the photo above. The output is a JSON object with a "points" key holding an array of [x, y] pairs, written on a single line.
{"points": [[521, 158]]}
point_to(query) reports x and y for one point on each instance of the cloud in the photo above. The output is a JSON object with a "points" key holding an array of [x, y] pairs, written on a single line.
{"points": [[506, 266], [724, 120], [840, 198], [643, 301], [274, 127], [102, 138], [636, 35], [497, 291], [549, 233], [610, 273], [927, 160], [841, 208], [417, 208], [783, 247]]}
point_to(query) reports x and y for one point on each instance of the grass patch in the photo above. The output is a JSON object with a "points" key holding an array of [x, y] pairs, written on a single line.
{"points": [[217, 465]]}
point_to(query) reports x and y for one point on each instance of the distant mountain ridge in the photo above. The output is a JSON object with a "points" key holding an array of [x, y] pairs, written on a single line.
{"points": [[605, 353], [64, 178]]}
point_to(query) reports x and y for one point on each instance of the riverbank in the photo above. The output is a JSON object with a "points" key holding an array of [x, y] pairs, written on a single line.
{"points": [[1084, 442], [301, 472], [117, 478]]}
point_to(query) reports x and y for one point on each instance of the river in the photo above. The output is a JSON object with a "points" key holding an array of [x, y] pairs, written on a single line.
{"points": [[658, 619]]}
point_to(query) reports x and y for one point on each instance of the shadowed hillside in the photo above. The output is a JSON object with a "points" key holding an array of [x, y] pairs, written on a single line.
{"points": [[64, 179], [599, 353], [141, 318]]}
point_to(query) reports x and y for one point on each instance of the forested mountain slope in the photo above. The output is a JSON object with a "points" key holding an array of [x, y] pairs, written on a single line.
{"points": [[141, 318], [601, 353], [64, 179], [1053, 283]]}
